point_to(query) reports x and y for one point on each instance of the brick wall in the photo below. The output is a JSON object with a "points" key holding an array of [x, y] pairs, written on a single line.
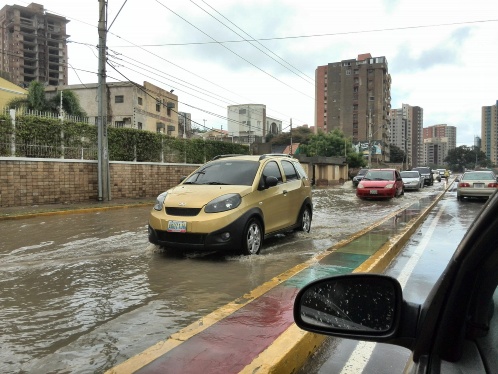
{"points": [[25, 181]]}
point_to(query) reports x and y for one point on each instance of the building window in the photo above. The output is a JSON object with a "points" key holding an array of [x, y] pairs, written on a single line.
{"points": [[348, 72], [158, 106], [140, 101], [139, 126], [371, 98], [119, 99], [119, 124]]}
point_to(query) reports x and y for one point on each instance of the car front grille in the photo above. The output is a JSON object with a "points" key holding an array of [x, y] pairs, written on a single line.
{"points": [[185, 212], [181, 238]]}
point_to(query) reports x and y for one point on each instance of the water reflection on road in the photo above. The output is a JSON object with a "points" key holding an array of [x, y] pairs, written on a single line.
{"points": [[80, 293]]}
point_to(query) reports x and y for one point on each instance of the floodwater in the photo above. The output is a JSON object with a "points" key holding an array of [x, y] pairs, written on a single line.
{"points": [[81, 293]]}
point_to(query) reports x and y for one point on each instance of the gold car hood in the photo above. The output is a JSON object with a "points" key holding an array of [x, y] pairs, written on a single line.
{"points": [[196, 196]]}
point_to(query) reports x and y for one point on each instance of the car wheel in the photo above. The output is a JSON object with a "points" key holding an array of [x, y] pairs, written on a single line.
{"points": [[253, 237], [305, 220]]}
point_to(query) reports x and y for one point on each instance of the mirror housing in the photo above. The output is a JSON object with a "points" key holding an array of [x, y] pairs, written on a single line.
{"points": [[357, 306], [267, 182]]}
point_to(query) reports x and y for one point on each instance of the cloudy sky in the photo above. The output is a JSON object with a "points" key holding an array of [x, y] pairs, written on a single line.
{"points": [[442, 55]]}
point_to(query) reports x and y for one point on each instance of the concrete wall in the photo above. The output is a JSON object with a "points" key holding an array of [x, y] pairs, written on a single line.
{"points": [[28, 181], [36, 181]]}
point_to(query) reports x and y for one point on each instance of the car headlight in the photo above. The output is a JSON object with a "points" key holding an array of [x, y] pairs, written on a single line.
{"points": [[390, 185], [223, 203], [360, 185], [160, 201]]}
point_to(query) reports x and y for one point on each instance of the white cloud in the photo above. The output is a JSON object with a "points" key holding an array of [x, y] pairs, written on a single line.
{"points": [[450, 71]]}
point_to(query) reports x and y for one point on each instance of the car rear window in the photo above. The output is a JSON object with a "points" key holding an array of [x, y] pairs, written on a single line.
{"points": [[410, 174], [230, 172], [477, 176]]}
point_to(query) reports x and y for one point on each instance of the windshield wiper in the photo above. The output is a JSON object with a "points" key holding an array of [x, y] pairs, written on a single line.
{"points": [[220, 183]]}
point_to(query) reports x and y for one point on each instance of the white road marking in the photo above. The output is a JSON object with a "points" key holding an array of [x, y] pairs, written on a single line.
{"points": [[361, 355]]}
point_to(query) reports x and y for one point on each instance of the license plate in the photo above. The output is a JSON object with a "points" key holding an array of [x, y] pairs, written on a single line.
{"points": [[373, 192], [177, 226], [479, 185]]}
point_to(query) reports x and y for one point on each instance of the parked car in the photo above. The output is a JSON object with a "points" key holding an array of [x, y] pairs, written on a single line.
{"points": [[233, 202], [380, 184], [412, 180], [476, 184], [357, 179], [426, 172], [454, 331]]}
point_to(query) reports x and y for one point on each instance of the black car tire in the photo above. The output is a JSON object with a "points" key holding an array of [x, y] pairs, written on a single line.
{"points": [[252, 238], [305, 219]]}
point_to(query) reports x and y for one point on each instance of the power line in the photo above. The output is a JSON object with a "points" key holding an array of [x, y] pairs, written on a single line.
{"points": [[259, 49], [236, 54], [314, 35]]}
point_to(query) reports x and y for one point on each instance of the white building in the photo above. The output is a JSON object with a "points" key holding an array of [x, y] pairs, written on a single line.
{"points": [[249, 122]]}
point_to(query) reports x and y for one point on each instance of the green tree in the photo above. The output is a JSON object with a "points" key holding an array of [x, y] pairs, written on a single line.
{"points": [[300, 135], [36, 96], [332, 144], [463, 157], [396, 154], [70, 103]]}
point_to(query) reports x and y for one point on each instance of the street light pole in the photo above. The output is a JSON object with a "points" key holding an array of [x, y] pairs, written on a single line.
{"points": [[369, 139]]}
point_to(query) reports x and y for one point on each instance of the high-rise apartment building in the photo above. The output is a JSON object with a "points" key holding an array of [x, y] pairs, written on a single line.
{"points": [[33, 45], [405, 132], [438, 141], [355, 96], [489, 132]]}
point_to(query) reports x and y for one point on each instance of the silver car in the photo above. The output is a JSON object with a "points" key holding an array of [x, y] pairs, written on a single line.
{"points": [[476, 184], [412, 179]]}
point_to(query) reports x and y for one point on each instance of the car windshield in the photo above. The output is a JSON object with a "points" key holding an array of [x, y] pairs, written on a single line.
{"points": [[362, 172], [225, 172], [410, 174], [380, 175], [478, 176], [423, 170]]}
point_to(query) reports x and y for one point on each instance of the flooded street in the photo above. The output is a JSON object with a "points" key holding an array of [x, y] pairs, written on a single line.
{"points": [[81, 293]]}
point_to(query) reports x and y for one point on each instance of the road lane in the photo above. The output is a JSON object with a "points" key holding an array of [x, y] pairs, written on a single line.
{"points": [[417, 266]]}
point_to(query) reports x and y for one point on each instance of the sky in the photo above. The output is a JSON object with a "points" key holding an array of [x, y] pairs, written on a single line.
{"points": [[442, 55]]}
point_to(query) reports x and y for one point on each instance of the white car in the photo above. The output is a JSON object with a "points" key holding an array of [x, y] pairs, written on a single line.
{"points": [[412, 179]]}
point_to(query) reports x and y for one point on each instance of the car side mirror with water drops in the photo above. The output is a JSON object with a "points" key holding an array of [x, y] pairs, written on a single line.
{"points": [[355, 306]]}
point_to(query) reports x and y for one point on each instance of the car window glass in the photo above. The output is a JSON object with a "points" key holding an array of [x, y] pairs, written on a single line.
{"points": [[228, 172], [477, 176], [271, 169], [380, 175], [300, 170], [289, 171], [410, 174]]}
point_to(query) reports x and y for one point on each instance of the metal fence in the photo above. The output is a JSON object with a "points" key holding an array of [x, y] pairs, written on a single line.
{"points": [[37, 113]]}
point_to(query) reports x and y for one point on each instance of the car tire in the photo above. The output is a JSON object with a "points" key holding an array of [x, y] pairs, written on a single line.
{"points": [[305, 219], [252, 238]]}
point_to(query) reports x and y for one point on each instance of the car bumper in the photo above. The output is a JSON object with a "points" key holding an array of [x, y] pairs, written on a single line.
{"points": [[381, 193], [228, 237], [475, 192]]}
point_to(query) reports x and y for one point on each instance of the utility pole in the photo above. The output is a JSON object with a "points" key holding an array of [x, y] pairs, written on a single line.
{"points": [[369, 138], [104, 182], [290, 152]]}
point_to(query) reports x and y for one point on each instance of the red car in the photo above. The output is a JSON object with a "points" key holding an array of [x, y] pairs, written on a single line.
{"points": [[381, 184]]}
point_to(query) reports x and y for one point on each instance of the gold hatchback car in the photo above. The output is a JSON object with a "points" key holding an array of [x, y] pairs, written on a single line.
{"points": [[233, 202]]}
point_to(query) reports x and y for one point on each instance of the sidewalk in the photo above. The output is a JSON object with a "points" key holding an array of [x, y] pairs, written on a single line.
{"points": [[22, 212]]}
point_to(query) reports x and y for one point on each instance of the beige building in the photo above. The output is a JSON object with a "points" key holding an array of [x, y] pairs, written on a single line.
{"points": [[146, 107], [489, 132], [33, 45], [438, 141], [355, 96], [406, 132], [9, 91]]}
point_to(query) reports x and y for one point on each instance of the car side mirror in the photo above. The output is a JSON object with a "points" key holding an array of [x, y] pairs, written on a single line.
{"points": [[267, 182], [353, 305]]}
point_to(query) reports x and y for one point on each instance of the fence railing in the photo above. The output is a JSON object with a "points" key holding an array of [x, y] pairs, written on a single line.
{"points": [[37, 113]]}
